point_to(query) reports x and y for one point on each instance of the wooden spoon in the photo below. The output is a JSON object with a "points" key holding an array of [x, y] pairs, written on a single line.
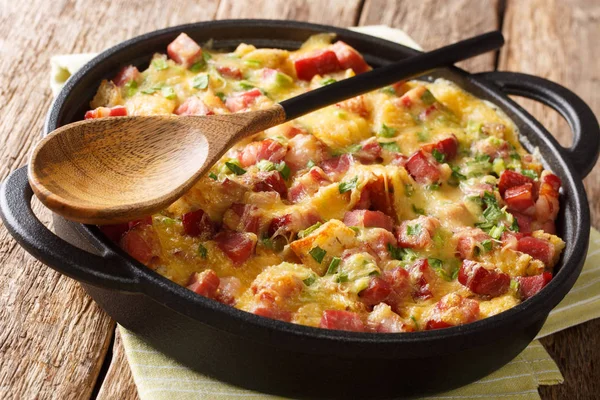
{"points": [[118, 169]]}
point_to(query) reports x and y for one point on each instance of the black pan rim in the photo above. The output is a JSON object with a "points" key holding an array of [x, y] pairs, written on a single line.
{"points": [[150, 281]]}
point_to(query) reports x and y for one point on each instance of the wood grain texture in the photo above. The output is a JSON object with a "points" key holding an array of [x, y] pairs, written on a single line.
{"points": [[118, 381], [434, 23], [558, 41]]}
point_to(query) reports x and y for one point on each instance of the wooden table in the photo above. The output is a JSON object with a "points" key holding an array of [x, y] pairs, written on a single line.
{"points": [[54, 340]]}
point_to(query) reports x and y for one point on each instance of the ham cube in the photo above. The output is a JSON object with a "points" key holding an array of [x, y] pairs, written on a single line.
{"points": [[422, 169], [370, 152], [184, 50], [539, 249], [271, 181], [531, 285], [205, 283], [417, 233], [242, 218], [378, 195], [241, 101], [448, 147], [267, 149], [126, 74], [368, 219], [377, 291], [193, 106], [230, 72], [342, 320], [198, 223], [400, 282], [307, 184], [141, 243], [520, 198], [510, 179], [468, 241], [293, 223], [421, 278], [337, 166], [143, 221], [318, 62], [103, 112], [239, 247], [482, 281], [304, 148], [453, 310], [348, 57]]}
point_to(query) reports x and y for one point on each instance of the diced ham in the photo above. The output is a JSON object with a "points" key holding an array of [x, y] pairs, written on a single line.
{"points": [[378, 241], [238, 246], [539, 249], [103, 112], [370, 151], [398, 159], [448, 147], [198, 223], [422, 169], [531, 285], [337, 166], [242, 100], [492, 147], [293, 223], [267, 149], [483, 281], [399, 280], [428, 112], [193, 106], [142, 221], [230, 288], [348, 57], [141, 243], [126, 74], [520, 198], [356, 105], [547, 205], [303, 148], [383, 319], [242, 218], [524, 221], [184, 50], [368, 219], [421, 277], [115, 231], [205, 283], [453, 310], [271, 181], [417, 233], [547, 226], [342, 320], [467, 240], [229, 71], [377, 195], [377, 291], [273, 312], [510, 179], [318, 62], [307, 184]]}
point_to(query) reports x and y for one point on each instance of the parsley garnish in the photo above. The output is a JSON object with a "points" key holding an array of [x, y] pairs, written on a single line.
{"points": [[203, 251], [333, 265], [348, 186], [236, 169], [200, 81], [386, 131], [317, 254]]}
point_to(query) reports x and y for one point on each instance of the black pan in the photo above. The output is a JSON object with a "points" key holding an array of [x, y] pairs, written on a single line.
{"points": [[282, 358]]}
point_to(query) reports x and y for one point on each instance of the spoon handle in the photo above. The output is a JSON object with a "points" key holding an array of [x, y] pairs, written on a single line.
{"points": [[405, 69]]}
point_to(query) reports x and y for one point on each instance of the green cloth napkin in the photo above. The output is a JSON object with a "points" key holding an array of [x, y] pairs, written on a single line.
{"points": [[159, 377]]}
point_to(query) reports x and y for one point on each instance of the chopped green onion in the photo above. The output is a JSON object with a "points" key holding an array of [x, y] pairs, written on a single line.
{"points": [[487, 245], [422, 136], [413, 230], [341, 278], [514, 285], [169, 93], [310, 280], [515, 225], [253, 63], [333, 265], [220, 95], [439, 157], [310, 164], [390, 146], [328, 81], [284, 170], [386, 131], [427, 97], [206, 56], [236, 169], [200, 81], [344, 187], [496, 231], [213, 176], [198, 66], [418, 210], [409, 190], [415, 321], [529, 173], [160, 64], [203, 251], [515, 156], [397, 253], [317, 254], [245, 85], [309, 230], [388, 90], [433, 186], [130, 88]]}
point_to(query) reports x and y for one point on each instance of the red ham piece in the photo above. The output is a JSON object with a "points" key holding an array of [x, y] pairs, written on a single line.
{"points": [[531, 285], [307, 184], [539, 249], [453, 310], [468, 240], [198, 223], [417, 233], [377, 291], [318, 62], [242, 100], [126, 74], [337, 166], [482, 281], [520, 198], [304, 148], [524, 221], [421, 275], [295, 222], [378, 243], [204, 283], [448, 147], [399, 280], [229, 289], [193, 106], [103, 112], [421, 169], [229, 72], [510, 179], [141, 243], [144, 221], [236, 245], [370, 152], [348, 57], [355, 105], [377, 195], [245, 218], [267, 149], [184, 50], [271, 181], [368, 219], [342, 320]]}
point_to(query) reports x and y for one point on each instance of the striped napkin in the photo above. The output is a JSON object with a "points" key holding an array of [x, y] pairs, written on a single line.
{"points": [[159, 377]]}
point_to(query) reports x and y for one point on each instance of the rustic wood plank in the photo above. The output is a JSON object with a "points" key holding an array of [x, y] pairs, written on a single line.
{"points": [[434, 23], [556, 40], [332, 12], [118, 383], [53, 337]]}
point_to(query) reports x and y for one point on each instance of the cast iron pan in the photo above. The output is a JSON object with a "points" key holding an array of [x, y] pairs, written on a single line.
{"points": [[282, 358]]}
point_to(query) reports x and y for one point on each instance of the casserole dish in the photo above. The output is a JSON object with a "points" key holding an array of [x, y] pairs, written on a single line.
{"points": [[278, 357]]}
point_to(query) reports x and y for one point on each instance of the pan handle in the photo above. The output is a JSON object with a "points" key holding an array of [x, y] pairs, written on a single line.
{"points": [[586, 132], [105, 271]]}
